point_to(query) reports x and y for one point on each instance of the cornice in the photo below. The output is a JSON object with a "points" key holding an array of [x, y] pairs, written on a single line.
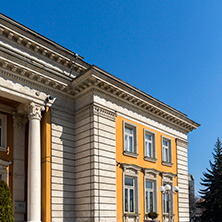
{"points": [[45, 51], [30, 77], [97, 83], [95, 110]]}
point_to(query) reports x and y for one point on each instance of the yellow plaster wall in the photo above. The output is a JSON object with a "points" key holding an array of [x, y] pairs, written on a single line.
{"points": [[46, 165], [139, 161]]}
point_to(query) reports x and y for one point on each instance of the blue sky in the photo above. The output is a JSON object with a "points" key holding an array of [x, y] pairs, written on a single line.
{"points": [[171, 50]]}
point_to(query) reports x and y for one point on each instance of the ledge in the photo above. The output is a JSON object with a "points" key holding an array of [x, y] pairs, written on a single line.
{"points": [[3, 149], [150, 159], [131, 214], [126, 153], [167, 163]]}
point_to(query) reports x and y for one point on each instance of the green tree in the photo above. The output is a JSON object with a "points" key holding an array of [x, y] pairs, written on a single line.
{"points": [[212, 193], [6, 209]]}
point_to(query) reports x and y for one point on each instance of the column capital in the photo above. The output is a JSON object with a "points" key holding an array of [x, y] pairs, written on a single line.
{"points": [[34, 111]]}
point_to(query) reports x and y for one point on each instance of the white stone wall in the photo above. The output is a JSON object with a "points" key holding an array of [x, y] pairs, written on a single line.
{"points": [[95, 165], [63, 182], [182, 175], [19, 173]]}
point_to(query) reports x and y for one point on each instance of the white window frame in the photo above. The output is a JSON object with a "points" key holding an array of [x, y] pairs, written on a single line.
{"points": [[134, 139], [167, 178], [151, 158], [3, 135], [128, 187], [148, 202], [151, 175], [169, 153], [131, 171]]}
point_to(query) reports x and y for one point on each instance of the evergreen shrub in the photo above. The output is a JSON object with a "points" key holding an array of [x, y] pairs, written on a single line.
{"points": [[6, 207]]}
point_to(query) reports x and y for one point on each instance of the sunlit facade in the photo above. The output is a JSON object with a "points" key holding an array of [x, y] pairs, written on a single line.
{"points": [[79, 144]]}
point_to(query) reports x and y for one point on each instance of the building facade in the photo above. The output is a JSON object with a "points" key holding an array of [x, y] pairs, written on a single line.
{"points": [[79, 144]]}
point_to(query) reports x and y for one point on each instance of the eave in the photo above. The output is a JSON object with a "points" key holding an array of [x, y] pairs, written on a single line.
{"points": [[110, 84]]}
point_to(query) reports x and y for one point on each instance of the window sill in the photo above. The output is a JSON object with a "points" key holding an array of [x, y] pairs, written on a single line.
{"points": [[3, 149], [126, 153], [131, 214], [167, 163], [150, 159]]}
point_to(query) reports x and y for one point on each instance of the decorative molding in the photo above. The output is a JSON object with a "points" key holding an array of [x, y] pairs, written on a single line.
{"points": [[43, 50], [151, 171], [95, 110], [168, 175], [130, 168], [35, 111]]}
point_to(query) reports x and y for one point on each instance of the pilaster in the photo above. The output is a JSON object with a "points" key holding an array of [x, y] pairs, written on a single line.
{"points": [[182, 176], [19, 122]]}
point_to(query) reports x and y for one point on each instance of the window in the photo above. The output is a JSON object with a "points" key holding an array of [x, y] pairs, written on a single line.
{"points": [[129, 139], [150, 192], [3, 130], [149, 196], [130, 143], [166, 199], [166, 150], [149, 145], [129, 194]]}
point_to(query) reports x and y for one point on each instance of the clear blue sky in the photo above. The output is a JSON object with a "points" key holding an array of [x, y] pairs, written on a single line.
{"points": [[171, 50]]}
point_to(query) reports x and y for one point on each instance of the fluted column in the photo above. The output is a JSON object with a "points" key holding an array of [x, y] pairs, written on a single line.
{"points": [[34, 163]]}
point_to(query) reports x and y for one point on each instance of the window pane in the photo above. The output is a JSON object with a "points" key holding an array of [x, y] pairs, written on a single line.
{"points": [[151, 202], [150, 150], [128, 181], [166, 155], [126, 143], [167, 203], [164, 203], [129, 130], [130, 144], [146, 202], [146, 148], [126, 201], [149, 184], [165, 142], [131, 201], [148, 137]]}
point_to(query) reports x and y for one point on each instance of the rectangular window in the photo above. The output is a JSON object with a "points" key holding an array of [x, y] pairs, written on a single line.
{"points": [[166, 150], [129, 194], [167, 199], [149, 144], [3, 131], [130, 140], [165, 203], [149, 196]]}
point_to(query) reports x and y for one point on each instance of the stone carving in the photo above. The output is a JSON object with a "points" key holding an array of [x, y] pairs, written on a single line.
{"points": [[35, 111]]}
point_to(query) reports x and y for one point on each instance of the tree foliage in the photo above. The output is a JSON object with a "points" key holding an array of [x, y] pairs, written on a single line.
{"points": [[6, 209], [212, 193]]}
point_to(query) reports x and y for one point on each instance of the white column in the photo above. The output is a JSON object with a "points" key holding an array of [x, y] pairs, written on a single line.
{"points": [[34, 164]]}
